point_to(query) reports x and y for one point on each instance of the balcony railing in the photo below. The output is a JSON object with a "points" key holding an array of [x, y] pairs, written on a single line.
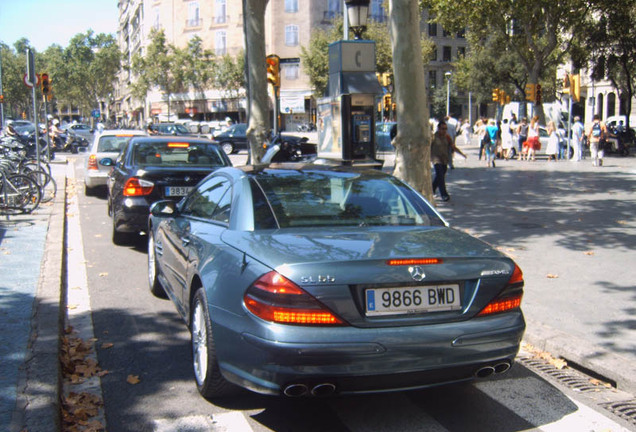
{"points": [[195, 22]]}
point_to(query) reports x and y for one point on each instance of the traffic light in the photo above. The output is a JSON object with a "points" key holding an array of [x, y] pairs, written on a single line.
{"points": [[575, 87], [502, 97], [538, 94], [531, 94], [46, 84], [1, 98], [273, 70], [387, 101], [495, 95]]}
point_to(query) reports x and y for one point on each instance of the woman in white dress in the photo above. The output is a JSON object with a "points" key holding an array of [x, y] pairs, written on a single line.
{"points": [[552, 150], [506, 139]]}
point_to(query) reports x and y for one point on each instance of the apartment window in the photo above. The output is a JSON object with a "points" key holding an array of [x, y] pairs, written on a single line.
{"points": [[432, 79], [335, 5], [291, 5], [220, 43], [434, 55], [446, 55], [461, 52], [377, 11], [445, 33], [462, 34], [155, 18], [220, 11], [432, 29], [291, 71], [291, 35], [194, 18]]}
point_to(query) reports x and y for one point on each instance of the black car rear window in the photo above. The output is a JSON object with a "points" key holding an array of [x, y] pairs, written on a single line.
{"points": [[328, 198], [172, 154]]}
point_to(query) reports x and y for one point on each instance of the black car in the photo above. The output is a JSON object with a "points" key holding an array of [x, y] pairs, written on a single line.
{"points": [[154, 168], [234, 138], [170, 129]]}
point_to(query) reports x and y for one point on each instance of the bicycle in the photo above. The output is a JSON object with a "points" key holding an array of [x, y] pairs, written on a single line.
{"points": [[18, 193]]}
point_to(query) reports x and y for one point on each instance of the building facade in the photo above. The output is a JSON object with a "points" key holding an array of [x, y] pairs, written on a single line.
{"points": [[289, 25]]}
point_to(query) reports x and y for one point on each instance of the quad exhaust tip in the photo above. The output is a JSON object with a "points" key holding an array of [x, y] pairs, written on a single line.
{"points": [[489, 370], [319, 390]]}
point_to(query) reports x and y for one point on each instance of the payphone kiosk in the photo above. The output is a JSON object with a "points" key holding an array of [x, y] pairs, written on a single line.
{"points": [[358, 127], [350, 110]]}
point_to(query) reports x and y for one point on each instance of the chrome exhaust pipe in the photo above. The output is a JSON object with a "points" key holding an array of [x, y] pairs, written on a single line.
{"points": [[324, 389], [502, 367], [485, 371], [295, 390]]}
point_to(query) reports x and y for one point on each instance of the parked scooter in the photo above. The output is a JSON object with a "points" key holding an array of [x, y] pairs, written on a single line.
{"points": [[616, 142]]}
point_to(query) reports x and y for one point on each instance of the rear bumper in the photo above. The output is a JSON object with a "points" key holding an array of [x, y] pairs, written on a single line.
{"points": [[356, 360], [131, 215], [95, 178]]}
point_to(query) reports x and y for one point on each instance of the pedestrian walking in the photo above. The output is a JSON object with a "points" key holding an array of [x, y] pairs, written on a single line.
{"points": [[522, 133], [480, 131], [452, 129], [441, 146], [596, 136], [506, 139], [532, 143], [552, 150], [490, 148], [578, 133], [466, 131]]}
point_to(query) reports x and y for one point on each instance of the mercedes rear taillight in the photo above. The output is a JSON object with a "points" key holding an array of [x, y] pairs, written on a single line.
{"points": [[509, 298], [275, 298]]}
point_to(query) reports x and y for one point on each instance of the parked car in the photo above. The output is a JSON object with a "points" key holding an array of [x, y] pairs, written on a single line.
{"points": [[153, 168], [234, 138], [313, 280], [384, 134], [78, 136], [171, 129], [107, 144]]}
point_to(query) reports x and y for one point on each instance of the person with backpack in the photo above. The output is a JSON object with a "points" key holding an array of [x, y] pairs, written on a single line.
{"points": [[596, 136]]}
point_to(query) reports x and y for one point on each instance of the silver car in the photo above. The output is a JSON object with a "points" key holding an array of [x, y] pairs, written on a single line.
{"points": [[107, 144], [314, 280]]}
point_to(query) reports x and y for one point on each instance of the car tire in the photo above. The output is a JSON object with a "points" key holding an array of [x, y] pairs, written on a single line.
{"points": [[228, 148], [119, 238], [210, 382], [153, 282], [88, 191]]}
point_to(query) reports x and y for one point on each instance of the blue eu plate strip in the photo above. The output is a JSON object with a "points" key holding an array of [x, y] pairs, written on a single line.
{"points": [[370, 300]]}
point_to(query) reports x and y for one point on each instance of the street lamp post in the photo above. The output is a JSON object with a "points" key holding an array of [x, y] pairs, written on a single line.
{"points": [[448, 75], [358, 14]]}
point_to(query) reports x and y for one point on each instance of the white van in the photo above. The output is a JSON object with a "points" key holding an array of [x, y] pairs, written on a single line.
{"points": [[614, 120]]}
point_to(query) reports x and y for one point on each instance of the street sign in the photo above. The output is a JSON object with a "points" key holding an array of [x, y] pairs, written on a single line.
{"points": [[96, 114], [29, 83]]}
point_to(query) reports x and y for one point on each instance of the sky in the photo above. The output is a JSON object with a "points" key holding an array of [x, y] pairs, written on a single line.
{"points": [[47, 22]]}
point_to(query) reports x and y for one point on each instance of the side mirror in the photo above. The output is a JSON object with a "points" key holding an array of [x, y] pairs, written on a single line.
{"points": [[106, 162], [163, 208]]}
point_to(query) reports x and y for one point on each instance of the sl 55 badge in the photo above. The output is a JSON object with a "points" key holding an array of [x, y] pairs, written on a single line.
{"points": [[318, 279]]}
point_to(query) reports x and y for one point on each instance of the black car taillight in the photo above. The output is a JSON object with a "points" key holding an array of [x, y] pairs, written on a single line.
{"points": [[509, 298], [138, 187], [275, 298]]}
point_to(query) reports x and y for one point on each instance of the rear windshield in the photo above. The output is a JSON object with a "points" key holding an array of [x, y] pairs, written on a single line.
{"points": [[112, 143], [171, 154], [317, 198]]}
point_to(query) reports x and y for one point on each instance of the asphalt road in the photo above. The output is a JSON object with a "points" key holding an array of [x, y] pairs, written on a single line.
{"points": [[139, 335]]}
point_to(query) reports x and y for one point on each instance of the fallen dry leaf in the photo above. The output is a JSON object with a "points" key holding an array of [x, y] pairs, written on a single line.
{"points": [[107, 345], [103, 274], [72, 306], [589, 252], [552, 276], [133, 379]]}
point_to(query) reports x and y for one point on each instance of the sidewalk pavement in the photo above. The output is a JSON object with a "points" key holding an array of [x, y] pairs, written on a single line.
{"points": [[32, 274], [32, 313]]}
